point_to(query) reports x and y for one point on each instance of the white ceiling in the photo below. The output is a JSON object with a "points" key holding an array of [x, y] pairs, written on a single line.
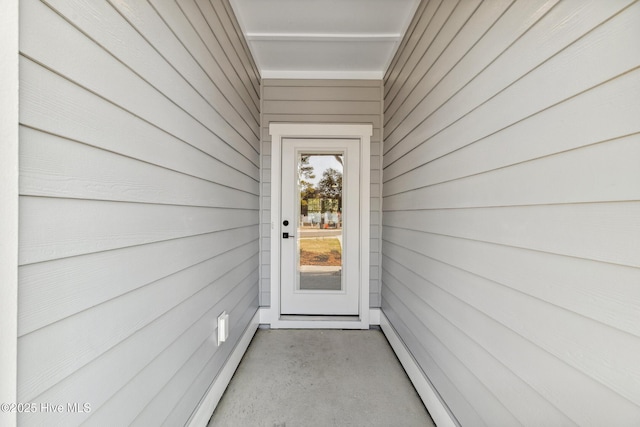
{"points": [[339, 39]]}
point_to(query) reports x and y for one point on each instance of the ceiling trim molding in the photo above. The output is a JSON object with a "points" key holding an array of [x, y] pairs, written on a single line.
{"points": [[331, 37], [243, 28], [329, 75], [405, 27]]}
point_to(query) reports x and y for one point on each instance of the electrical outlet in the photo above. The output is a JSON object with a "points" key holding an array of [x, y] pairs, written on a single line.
{"points": [[223, 327]]}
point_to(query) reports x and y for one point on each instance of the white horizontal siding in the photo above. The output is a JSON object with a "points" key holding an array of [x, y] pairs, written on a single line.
{"points": [[48, 161], [322, 101], [77, 340], [189, 116], [99, 123], [479, 108], [92, 226], [139, 205], [148, 344], [510, 208], [53, 290], [163, 387]]}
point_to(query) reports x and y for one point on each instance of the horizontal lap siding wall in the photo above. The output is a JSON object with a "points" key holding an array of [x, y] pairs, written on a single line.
{"points": [[139, 205], [322, 101], [511, 208]]}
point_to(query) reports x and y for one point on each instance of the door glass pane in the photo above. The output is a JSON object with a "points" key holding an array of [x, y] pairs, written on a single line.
{"points": [[320, 221]]}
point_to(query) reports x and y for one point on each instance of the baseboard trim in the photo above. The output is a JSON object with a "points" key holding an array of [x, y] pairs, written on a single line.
{"points": [[423, 386], [374, 316], [202, 414]]}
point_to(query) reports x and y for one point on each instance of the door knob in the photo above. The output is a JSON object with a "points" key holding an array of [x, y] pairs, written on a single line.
{"points": [[286, 235], [285, 222]]}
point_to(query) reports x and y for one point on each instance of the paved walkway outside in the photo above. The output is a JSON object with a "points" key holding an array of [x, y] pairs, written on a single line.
{"points": [[291, 378]]}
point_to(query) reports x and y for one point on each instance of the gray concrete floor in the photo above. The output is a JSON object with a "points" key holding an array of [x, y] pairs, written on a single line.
{"points": [[291, 378]]}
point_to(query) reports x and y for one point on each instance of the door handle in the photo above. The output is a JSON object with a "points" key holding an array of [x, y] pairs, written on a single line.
{"points": [[286, 235]]}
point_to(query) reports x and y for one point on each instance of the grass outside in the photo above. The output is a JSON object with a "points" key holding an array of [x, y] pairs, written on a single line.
{"points": [[321, 251]]}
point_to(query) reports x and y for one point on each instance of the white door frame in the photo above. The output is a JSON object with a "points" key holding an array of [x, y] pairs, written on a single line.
{"points": [[9, 77], [278, 132]]}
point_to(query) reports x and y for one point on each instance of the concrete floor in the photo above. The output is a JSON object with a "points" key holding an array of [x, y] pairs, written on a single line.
{"points": [[291, 378]]}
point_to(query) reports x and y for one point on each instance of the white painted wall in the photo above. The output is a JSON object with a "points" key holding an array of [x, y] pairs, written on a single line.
{"points": [[139, 183], [511, 208], [8, 206]]}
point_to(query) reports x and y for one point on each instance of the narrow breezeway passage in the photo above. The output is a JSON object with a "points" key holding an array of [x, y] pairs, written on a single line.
{"points": [[320, 378]]}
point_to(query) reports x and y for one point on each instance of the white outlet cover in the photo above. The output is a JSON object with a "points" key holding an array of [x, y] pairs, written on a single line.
{"points": [[223, 327]]}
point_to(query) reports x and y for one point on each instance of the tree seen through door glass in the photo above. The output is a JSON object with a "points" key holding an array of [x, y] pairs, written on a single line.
{"points": [[320, 213]]}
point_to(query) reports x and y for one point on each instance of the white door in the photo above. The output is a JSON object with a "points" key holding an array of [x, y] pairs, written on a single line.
{"points": [[320, 214]]}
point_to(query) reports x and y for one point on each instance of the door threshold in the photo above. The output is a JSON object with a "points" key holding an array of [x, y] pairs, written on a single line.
{"points": [[320, 318], [274, 320], [287, 321]]}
